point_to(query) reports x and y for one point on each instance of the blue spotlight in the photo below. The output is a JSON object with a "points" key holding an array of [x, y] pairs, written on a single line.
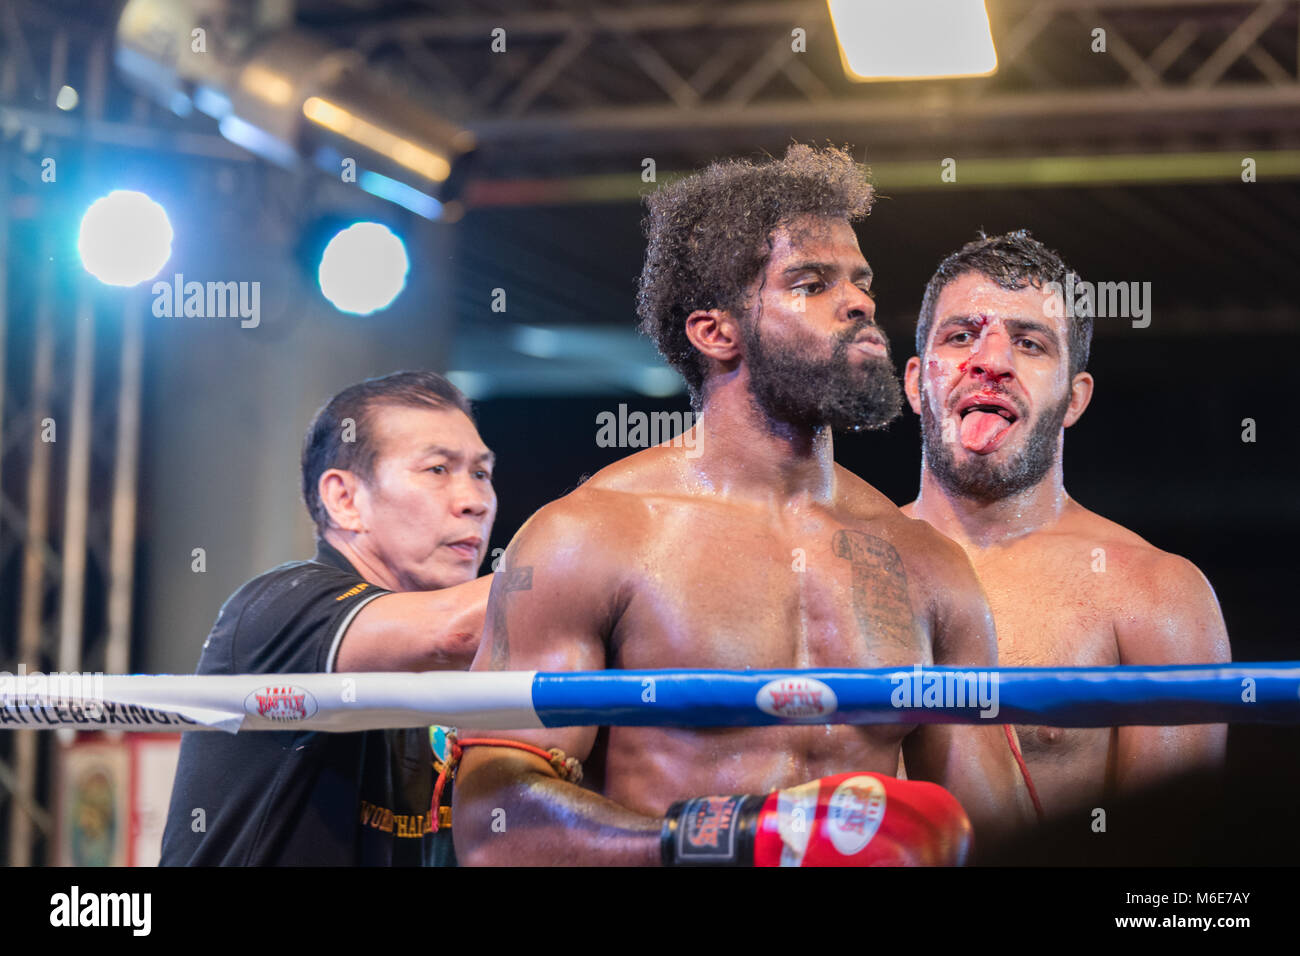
{"points": [[125, 238], [363, 268]]}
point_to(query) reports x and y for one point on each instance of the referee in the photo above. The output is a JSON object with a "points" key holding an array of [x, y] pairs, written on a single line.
{"points": [[399, 484]]}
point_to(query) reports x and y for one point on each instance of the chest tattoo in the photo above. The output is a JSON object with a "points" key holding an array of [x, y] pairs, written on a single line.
{"points": [[880, 600]]}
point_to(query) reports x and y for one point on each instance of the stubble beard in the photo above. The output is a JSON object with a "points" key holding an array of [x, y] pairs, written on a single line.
{"points": [[984, 479]]}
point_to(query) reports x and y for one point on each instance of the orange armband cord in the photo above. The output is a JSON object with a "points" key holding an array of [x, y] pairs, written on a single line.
{"points": [[1024, 771], [567, 768]]}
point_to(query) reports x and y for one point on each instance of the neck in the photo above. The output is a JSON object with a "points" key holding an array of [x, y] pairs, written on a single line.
{"points": [[746, 454], [353, 547], [981, 524]]}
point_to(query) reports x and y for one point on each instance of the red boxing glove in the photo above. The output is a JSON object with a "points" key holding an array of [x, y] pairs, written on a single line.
{"points": [[851, 819]]}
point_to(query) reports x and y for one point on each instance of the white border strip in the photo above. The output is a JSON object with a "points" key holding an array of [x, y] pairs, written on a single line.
{"points": [[343, 629]]}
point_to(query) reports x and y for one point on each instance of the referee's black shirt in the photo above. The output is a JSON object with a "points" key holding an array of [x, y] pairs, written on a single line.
{"points": [[298, 797]]}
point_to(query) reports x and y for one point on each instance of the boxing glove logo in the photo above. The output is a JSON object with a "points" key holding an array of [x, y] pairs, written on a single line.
{"points": [[854, 813]]}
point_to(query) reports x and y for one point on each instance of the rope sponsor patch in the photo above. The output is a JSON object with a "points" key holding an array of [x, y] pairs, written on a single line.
{"points": [[281, 702], [797, 698]]}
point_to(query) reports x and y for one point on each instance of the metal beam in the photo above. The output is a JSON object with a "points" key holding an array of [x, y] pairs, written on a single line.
{"points": [[1173, 46], [31, 630], [862, 113], [541, 23], [1127, 57], [134, 135], [683, 16], [545, 73], [898, 177], [1237, 43]]}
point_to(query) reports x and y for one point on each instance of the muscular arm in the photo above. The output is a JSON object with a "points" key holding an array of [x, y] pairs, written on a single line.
{"points": [[1180, 623], [552, 603], [972, 761], [416, 630]]}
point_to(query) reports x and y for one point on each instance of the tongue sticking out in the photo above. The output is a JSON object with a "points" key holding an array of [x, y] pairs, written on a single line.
{"points": [[979, 430]]}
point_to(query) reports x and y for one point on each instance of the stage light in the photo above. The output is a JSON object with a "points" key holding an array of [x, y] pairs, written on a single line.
{"points": [[363, 269], [257, 140], [408, 197], [67, 98], [285, 94], [913, 39], [404, 152], [125, 238]]}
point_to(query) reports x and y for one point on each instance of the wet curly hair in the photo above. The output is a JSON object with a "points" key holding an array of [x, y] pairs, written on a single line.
{"points": [[710, 236]]}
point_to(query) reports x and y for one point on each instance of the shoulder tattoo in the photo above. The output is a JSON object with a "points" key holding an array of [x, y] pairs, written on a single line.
{"points": [[506, 583]]}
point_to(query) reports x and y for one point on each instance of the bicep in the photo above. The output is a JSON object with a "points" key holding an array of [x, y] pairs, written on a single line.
{"points": [[547, 611]]}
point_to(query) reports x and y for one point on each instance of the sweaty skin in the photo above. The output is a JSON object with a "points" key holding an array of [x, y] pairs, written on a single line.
{"points": [[1067, 587], [760, 553]]}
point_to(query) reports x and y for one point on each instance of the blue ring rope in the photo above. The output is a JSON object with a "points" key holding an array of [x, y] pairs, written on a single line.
{"points": [[1057, 697]]}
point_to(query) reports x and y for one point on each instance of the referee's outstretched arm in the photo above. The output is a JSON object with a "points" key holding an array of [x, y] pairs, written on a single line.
{"points": [[417, 630]]}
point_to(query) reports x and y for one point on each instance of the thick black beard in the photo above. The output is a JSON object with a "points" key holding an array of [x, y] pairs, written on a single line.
{"points": [[816, 393], [984, 480]]}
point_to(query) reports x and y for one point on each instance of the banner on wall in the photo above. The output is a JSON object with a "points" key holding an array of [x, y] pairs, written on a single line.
{"points": [[112, 793]]}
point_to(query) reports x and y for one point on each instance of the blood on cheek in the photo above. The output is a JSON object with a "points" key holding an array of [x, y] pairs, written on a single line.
{"points": [[939, 371], [939, 374]]}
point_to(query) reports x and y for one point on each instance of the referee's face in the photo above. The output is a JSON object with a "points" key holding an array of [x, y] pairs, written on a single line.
{"points": [[428, 509]]}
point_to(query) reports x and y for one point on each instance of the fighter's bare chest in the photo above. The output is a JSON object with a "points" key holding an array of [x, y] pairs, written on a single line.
{"points": [[800, 592], [1052, 610]]}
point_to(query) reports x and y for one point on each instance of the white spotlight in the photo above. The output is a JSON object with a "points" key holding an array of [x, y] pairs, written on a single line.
{"points": [[363, 268], [125, 238]]}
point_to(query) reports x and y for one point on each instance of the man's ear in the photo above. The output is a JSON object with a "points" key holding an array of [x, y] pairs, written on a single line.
{"points": [[1080, 396], [715, 333], [338, 490], [912, 383]]}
